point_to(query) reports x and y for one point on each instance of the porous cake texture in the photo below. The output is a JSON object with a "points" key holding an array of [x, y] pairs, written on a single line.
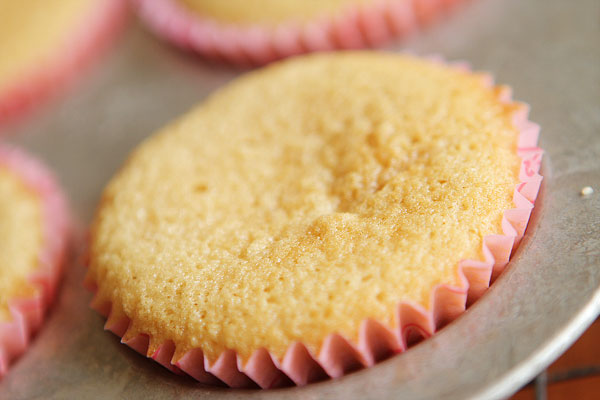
{"points": [[302, 199]]}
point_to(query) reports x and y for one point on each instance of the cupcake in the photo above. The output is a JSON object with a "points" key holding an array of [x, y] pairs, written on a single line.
{"points": [[255, 33], [41, 48], [33, 241], [313, 217]]}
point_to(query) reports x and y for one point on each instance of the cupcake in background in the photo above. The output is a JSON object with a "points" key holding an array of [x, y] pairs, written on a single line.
{"points": [[33, 242], [43, 44], [258, 32]]}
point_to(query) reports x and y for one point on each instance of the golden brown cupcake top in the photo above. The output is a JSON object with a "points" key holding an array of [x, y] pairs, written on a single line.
{"points": [[303, 198]]}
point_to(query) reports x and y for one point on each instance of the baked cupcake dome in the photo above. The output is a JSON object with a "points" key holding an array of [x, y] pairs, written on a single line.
{"points": [[312, 217], [33, 241], [255, 33], [41, 49]]}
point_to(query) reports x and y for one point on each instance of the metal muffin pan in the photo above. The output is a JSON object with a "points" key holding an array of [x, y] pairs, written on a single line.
{"points": [[547, 50]]}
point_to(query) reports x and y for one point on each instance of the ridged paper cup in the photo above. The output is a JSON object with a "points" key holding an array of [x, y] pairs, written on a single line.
{"points": [[89, 37], [27, 313], [376, 341], [356, 27]]}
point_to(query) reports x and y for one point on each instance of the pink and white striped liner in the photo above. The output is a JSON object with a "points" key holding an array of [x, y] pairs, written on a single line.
{"points": [[27, 313], [338, 355], [88, 40], [358, 27]]}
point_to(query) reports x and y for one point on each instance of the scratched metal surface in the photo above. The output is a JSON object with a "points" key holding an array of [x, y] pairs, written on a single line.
{"points": [[548, 50]]}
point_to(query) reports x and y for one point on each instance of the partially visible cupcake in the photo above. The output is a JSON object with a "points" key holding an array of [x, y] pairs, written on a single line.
{"points": [[33, 242], [257, 32], [42, 45], [314, 217]]}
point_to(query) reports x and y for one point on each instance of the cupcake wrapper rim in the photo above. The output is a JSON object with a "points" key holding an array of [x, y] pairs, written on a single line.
{"points": [[356, 27], [27, 313]]}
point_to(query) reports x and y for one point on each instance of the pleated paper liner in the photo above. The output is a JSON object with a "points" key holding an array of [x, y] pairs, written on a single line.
{"points": [[357, 27], [338, 355], [86, 42], [27, 313]]}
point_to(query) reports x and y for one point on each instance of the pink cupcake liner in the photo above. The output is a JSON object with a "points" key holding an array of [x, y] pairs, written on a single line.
{"points": [[358, 27], [88, 40], [27, 313], [339, 355]]}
